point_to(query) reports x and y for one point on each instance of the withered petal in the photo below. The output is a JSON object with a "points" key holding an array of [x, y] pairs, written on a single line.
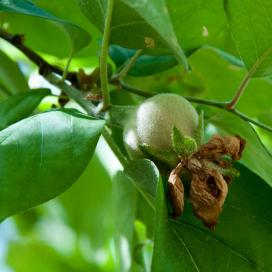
{"points": [[176, 193], [208, 195]]}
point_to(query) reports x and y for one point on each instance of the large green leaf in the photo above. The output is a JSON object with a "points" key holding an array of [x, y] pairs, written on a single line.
{"points": [[42, 156], [196, 22], [136, 24], [255, 156], [12, 80], [24, 17], [241, 241], [251, 25], [20, 106]]}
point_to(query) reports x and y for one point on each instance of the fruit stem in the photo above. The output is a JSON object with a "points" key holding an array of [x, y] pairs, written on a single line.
{"points": [[104, 55]]}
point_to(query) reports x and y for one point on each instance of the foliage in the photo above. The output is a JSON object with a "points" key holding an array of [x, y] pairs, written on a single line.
{"points": [[217, 54]]}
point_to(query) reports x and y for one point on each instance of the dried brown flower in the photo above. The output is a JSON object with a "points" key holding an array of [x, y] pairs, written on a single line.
{"points": [[211, 175]]}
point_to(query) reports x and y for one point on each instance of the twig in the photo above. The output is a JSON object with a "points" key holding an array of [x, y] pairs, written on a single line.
{"points": [[44, 66], [104, 55]]}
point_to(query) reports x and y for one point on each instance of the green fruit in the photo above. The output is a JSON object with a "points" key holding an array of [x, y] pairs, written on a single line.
{"points": [[153, 121]]}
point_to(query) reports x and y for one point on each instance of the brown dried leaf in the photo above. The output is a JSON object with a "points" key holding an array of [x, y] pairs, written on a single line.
{"points": [[176, 192], [219, 146], [208, 192]]}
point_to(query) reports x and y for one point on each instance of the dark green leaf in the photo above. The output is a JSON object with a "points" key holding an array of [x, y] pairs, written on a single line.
{"points": [[24, 17], [20, 106], [255, 156], [251, 25], [240, 242], [145, 65], [136, 24], [12, 80], [42, 156]]}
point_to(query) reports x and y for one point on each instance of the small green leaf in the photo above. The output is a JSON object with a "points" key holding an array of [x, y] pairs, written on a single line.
{"points": [[182, 145], [60, 143], [187, 245], [137, 24], [36, 21], [12, 80], [20, 106], [177, 140], [251, 26], [255, 156]]}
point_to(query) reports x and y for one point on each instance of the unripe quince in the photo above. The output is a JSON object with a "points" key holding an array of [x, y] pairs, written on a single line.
{"points": [[152, 123]]}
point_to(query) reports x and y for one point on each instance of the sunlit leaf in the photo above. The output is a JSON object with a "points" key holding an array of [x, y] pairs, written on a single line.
{"points": [[39, 27]]}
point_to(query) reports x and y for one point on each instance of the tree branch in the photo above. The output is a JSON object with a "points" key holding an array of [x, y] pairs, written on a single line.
{"points": [[44, 67]]}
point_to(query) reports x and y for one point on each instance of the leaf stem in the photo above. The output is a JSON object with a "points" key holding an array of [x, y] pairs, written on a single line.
{"points": [[128, 65], [231, 105], [104, 55], [239, 93]]}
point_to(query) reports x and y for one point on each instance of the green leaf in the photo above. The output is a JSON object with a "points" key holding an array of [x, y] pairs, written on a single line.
{"points": [[187, 245], [42, 156], [251, 26], [145, 65], [20, 106], [255, 156], [12, 80], [196, 22], [27, 18], [144, 175], [136, 24]]}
